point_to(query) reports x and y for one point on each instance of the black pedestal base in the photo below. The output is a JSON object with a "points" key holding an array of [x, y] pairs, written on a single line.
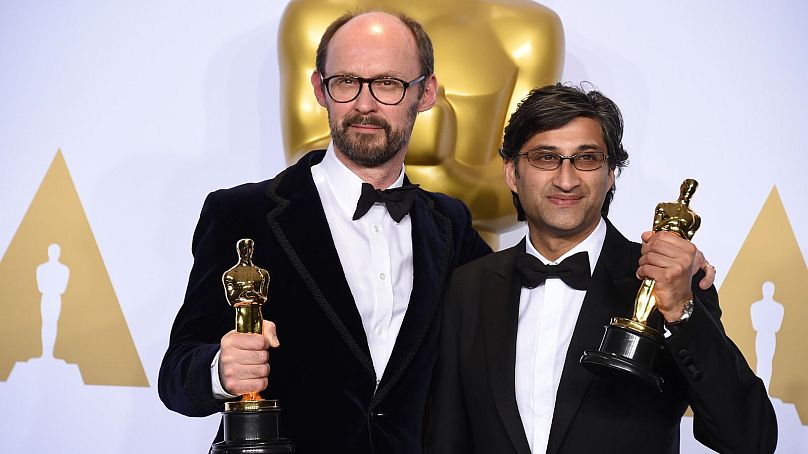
{"points": [[252, 432], [625, 353]]}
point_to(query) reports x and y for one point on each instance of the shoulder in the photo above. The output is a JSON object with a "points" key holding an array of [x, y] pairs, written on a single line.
{"points": [[264, 194], [617, 244], [241, 197], [497, 262], [451, 207]]}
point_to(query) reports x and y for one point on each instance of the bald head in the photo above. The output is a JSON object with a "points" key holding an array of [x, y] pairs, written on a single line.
{"points": [[397, 33]]}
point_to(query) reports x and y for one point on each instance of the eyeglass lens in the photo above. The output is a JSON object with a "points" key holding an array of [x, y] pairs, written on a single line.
{"points": [[386, 91], [551, 161]]}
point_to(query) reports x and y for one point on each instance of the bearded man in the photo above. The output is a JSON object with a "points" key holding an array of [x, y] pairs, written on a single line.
{"points": [[357, 258]]}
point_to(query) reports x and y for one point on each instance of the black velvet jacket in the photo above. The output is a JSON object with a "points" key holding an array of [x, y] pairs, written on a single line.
{"points": [[322, 372]]}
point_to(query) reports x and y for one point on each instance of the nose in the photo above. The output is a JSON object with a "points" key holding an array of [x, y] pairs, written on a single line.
{"points": [[365, 102], [566, 177]]}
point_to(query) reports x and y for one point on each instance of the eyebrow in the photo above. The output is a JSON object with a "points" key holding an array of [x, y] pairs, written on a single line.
{"points": [[579, 148], [377, 76]]}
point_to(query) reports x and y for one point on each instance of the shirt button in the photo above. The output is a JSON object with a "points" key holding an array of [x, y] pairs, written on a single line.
{"points": [[379, 332], [376, 228], [381, 276]]}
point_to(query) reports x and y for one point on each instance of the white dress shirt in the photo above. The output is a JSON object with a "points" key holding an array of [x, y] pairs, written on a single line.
{"points": [[376, 257], [375, 252], [547, 317]]}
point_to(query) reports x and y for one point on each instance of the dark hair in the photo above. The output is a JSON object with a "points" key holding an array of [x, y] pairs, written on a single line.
{"points": [[552, 107], [425, 52]]}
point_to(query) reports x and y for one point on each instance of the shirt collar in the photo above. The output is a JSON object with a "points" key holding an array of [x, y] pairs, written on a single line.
{"points": [[345, 185], [592, 245]]}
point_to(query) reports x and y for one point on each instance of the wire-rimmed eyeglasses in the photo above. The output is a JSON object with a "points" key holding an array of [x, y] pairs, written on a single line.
{"points": [[545, 160], [387, 90]]}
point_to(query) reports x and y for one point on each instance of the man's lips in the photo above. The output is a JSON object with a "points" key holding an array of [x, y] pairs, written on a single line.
{"points": [[564, 199], [361, 127]]}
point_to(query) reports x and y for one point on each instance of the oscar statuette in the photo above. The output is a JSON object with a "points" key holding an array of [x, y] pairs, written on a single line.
{"points": [[629, 346], [251, 425]]}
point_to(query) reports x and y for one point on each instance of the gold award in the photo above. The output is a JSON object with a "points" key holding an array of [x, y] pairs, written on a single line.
{"points": [[251, 425], [245, 286], [629, 346], [676, 217]]}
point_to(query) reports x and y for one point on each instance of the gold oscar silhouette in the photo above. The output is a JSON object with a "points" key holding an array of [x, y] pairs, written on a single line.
{"points": [[770, 265], [251, 425], [87, 309], [488, 55], [629, 346]]}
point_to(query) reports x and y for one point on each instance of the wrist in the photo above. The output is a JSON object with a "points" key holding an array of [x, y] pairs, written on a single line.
{"points": [[687, 311]]}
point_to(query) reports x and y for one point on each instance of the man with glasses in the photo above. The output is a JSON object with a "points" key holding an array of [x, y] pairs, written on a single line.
{"points": [[515, 323], [357, 258]]}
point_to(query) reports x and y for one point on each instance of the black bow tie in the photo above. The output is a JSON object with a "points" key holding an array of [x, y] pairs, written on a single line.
{"points": [[574, 270], [397, 200]]}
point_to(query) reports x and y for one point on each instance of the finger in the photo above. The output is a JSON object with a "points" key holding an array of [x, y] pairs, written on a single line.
{"points": [[246, 386], [709, 276], [250, 357], [233, 361], [653, 259], [646, 236], [244, 341], [662, 253], [657, 244], [670, 238], [669, 242], [271, 334], [667, 259], [653, 272], [232, 373], [700, 260]]}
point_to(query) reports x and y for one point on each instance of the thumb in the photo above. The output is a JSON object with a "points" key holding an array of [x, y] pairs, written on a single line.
{"points": [[271, 334]]}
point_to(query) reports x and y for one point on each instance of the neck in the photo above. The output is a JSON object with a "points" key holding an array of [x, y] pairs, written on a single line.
{"points": [[552, 245], [382, 176]]}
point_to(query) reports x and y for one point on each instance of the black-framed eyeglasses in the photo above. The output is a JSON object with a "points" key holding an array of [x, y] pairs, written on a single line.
{"points": [[387, 90], [545, 160]]}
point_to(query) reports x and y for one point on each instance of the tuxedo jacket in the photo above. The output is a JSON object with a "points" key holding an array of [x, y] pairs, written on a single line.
{"points": [[473, 405], [322, 373]]}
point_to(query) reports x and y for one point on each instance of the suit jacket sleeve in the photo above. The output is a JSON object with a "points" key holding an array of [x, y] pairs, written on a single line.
{"points": [[732, 411], [184, 382]]}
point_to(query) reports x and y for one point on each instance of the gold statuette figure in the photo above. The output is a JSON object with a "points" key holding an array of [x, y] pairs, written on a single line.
{"points": [[245, 286], [674, 217], [629, 346]]}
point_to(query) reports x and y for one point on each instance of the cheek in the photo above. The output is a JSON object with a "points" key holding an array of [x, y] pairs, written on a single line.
{"points": [[530, 190]]}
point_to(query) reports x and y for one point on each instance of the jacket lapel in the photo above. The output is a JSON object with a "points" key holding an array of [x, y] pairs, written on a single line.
{"points": [[500, 312], [432, 255], [300, 226], [609, 295]]}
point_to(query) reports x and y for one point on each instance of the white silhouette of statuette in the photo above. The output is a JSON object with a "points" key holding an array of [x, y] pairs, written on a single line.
{"points": [[51, 280], [767, 317]]}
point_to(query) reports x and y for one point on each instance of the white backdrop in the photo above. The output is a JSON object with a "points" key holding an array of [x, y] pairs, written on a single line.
{"points": [[155, 104]]}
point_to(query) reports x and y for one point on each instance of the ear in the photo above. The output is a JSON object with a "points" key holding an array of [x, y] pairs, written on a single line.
{"points": [[510, 175], [611, 179], [319, 92], [430, 93]]}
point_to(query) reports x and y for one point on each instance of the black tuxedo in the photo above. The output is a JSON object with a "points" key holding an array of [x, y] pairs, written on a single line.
{"points": [[473, 405], [322, 372]]}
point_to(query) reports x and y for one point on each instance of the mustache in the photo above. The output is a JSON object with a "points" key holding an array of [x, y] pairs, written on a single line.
{"points": [[365, 120]]}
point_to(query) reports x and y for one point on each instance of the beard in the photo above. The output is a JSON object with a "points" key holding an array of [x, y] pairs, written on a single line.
{"points": [[365, 149]]}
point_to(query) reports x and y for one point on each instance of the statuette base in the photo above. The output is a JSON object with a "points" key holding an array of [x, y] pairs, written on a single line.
{"points": [[252, 427], [626, 351]]}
